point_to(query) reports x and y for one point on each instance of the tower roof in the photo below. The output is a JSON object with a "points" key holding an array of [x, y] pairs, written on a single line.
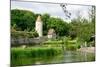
{"points": [[39, 19]]}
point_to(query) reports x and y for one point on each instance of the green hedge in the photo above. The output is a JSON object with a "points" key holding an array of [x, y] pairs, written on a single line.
{"points": [[23, 34], [53, 42]]}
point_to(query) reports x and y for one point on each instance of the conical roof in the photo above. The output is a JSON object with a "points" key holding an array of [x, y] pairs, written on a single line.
{"points": [[39, 19]]}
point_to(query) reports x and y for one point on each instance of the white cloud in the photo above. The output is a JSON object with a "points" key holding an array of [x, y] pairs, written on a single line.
{"points": [[52, 9]]}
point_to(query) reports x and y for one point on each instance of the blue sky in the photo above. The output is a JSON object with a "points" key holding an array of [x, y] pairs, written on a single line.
{"points": [[53, 9]]}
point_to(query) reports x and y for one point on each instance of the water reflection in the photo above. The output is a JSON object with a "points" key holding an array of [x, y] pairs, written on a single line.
{"points": [[69, 56]]}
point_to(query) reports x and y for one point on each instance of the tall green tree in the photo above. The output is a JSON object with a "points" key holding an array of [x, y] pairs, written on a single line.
{"points": [[45, 18], [23, 19], [59, 25]]}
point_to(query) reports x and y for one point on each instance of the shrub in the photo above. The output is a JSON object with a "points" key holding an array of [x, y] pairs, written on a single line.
{"points": [[71, 47], [78, 46], [23, 34], [65, 40]]}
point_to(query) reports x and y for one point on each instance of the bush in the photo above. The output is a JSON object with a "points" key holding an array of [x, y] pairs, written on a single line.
{"points": [[71, 47], [65, 40], [78, 46], [70, 44], [23, 34]]}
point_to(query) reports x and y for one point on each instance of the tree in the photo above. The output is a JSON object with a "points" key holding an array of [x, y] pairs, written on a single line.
{"points": [[92, 13], [24, 20], [45, 18], [59, 25], [82, 29]]}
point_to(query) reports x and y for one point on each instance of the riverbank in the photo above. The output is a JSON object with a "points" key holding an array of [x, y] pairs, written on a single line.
{"points": [[87, 49]]}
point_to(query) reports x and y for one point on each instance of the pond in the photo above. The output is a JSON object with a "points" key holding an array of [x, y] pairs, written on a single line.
{"points": [[77, 56], [67, 57]]}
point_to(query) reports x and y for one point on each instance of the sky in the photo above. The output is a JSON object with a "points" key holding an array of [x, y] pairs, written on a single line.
{"points": [[53, 9]]}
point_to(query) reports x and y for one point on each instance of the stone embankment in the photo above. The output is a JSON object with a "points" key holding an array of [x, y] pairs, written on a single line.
{"points": [[87, 49]]}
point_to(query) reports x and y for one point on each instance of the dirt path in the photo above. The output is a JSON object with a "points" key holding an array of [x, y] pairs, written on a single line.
{"points": [[87, 49]]}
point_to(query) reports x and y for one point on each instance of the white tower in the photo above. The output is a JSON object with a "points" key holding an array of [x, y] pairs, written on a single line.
{"points": [[39, 25]]}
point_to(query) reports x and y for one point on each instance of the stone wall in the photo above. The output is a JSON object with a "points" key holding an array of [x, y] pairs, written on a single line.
{"points": [[27, 41]]}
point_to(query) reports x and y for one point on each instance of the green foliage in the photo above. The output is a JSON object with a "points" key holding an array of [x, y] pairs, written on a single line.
{"points": [[23, 34], [53, 42], [70, 44], [92, 14], [71, 47], [59, 25], [35, 52], [78, 46], [81, 28], [23, 19], [45, 18], [20, 56], [56, 44], [65, 40]]}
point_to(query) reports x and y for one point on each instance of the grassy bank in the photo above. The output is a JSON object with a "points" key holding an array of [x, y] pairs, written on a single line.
{"points": [[20, 56]]}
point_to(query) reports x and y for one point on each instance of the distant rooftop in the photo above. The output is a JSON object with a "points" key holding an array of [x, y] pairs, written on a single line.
{"points": [[51, 31]]}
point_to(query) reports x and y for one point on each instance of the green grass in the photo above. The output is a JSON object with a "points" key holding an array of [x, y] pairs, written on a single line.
{"points": [[72, 41], [48, 49], [20, 56], [70, 44], [66, 42], [53, 42]]}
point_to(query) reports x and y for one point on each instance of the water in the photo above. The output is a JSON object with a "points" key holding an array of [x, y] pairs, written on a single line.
{"points": [[68, 57], [75, 56]]}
